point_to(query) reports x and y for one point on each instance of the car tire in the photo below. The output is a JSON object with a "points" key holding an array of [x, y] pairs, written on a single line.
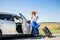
{"points": [[0, 33]]}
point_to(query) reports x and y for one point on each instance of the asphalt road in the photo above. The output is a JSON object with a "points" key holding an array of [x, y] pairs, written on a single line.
{"points": [[54, 37]]}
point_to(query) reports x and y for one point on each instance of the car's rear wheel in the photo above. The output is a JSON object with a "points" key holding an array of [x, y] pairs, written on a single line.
{"points": [[0, 33]]}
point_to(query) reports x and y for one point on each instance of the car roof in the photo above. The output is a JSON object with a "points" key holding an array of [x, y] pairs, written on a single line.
{"points": [[5, 13]]}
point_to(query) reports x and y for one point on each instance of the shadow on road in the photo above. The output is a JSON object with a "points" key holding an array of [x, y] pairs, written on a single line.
{"points": [[26, 37]]}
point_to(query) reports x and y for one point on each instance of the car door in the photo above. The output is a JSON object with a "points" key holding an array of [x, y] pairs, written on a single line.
{"points": [[26, 27], [18, 20], [9, 26]]}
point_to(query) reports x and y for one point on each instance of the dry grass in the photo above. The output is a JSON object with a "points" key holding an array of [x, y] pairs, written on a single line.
{"points": [[53, 27]]}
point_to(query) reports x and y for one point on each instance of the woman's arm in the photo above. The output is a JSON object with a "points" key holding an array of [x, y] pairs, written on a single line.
{"points": [[37, 18], [31, 17]]}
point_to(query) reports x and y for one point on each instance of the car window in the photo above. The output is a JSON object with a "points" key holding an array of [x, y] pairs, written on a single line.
{"points": [[1, 17], [6, 17], [23, 17], [18, 19]]}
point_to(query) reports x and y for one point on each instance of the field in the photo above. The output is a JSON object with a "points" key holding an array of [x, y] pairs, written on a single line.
{"points": [[54, 27]]}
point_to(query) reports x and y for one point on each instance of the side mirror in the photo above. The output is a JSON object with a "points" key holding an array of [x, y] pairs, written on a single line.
{"points": [[29, 21]]}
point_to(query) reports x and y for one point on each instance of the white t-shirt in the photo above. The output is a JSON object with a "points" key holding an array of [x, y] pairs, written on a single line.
{"points": [[34, 18]]}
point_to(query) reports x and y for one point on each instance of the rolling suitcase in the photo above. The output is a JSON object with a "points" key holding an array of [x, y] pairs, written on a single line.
{"points": [[47, 32]]}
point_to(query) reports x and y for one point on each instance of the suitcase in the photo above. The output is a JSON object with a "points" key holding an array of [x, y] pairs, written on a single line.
{"points": [[47, 32]]}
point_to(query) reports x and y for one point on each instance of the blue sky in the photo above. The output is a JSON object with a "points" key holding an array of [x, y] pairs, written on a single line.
{"points": [[47, 10]]}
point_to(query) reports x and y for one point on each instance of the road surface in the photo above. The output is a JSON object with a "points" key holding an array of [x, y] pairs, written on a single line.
{"points": [[54, 37]]}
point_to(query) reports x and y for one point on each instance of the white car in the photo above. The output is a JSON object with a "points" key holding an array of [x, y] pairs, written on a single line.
{"points": [[13, 24]]}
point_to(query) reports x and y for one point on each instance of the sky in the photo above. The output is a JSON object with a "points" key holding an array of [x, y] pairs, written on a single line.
{"points": [[47, 10]]}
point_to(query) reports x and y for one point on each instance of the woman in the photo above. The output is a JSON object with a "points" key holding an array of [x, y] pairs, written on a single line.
{"points": [[35, 25]]}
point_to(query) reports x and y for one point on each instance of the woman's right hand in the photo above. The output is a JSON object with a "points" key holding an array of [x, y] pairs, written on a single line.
{"points": [[37, 18]]}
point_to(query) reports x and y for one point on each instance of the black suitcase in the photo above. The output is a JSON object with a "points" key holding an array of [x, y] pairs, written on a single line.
{"points": [[47, 32]]}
